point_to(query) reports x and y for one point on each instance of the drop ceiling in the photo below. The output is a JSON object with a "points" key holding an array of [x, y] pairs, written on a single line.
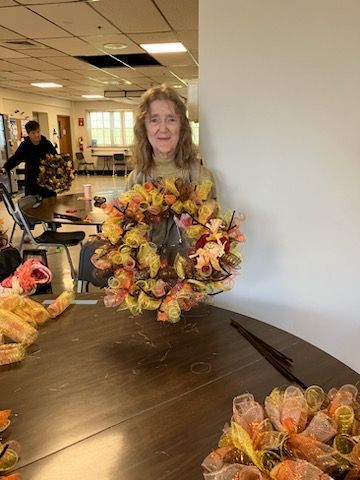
{"points": [[49, 40]]}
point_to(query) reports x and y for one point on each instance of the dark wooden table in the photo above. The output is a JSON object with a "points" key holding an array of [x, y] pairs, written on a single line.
{"points": [[105, 396], [85, 210]]}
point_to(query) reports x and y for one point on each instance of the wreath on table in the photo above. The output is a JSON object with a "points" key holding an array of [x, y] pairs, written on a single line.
{"points": [[56, 173], [141, 277]]}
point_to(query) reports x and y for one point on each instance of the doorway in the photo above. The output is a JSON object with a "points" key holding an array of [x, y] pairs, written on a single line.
{"points": [[64, 133]]}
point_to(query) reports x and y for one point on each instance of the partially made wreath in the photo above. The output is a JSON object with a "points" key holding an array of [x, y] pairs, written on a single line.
{"points": [[56, 173], [140, 277]]}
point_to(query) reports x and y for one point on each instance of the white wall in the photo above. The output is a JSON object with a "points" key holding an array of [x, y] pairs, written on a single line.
{"points": [[280, 127]]}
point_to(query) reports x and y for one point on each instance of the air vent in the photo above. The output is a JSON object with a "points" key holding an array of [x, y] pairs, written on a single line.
{"points": [[21, 43]]}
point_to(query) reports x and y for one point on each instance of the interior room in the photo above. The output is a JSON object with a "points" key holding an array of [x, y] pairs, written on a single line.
{"points": [[149, 363]]}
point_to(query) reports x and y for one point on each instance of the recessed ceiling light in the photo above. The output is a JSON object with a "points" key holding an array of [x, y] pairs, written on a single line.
{"points": [[47, 85], [115, 46], [92, 96], [163, 47]]}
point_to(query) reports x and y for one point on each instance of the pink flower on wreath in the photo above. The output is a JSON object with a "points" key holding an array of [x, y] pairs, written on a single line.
{"points": [[113, 300], [184, 221], [159, 289]]}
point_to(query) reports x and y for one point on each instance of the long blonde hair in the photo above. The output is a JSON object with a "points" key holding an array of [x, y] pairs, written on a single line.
{"points": [[142, 151]]}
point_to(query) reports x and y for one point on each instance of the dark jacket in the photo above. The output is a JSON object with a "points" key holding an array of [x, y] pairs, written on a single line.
{"points": [[31, 154]]}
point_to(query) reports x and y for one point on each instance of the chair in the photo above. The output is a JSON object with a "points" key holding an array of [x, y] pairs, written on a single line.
{"points": [[87, 273], [119, 160], [10, 207], [83, 163], [50, 238]]}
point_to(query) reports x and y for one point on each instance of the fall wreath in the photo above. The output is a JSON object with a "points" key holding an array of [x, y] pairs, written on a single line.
{"points": [[56, 173], [141, 276]]}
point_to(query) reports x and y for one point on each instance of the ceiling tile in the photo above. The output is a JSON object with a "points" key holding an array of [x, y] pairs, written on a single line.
{"points": [[190, 38], [168, 79], [99, 41], [156, 37], [67, 74], [34, 75], [124, 72], [43, 52], [6, 34], [63, 29], [70, 63], [8, 53], [182, 15], [12, 67], [78, 18], [38, 2], [150, 71], [71, 46], [133, 17], [11, 76], [7, 3], [186, 72], [29, 24], [6, 66], [175, 59], [33, 63]]}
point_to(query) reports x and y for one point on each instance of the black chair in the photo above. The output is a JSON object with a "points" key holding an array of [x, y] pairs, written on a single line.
{"points": [[50, 238], [10, 207], [83, 163], [87, 273], [119, 161]]}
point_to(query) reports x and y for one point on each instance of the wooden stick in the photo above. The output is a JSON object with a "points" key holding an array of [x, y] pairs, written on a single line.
{"points": [[269, 353]]}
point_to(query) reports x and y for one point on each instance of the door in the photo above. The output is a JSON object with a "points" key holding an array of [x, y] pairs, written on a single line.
{"points": [[64, 134]]}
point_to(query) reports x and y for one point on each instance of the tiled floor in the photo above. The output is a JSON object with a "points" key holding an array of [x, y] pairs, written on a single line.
{"points": [[56, 257]]}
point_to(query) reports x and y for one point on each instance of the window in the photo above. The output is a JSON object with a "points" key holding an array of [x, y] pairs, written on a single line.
{"points": [[108, 129]]}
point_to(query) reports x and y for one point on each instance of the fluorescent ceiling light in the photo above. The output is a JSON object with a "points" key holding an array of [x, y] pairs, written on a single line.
{"points": [[46, 85], [92, 96], [163, 47]]}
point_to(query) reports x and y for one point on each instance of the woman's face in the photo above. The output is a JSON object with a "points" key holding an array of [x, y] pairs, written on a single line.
{"points": [[163, 128]]}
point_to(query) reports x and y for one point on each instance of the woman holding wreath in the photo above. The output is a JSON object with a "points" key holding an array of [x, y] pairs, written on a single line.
{"points": [[164, 148]]}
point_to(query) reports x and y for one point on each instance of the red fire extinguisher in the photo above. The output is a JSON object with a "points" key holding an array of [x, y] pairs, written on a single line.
{"points": [[81, 144]]}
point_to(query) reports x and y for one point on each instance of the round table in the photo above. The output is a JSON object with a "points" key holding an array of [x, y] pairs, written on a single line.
{"points": [[73, 206], [105, 395]]}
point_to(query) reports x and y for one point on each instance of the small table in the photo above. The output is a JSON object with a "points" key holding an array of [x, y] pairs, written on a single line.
{"points": [[106, 395], [86, 212], [107, 161]]}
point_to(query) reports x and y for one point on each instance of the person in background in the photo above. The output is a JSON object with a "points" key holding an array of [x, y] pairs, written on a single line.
{"points": [[163, 147], [34, 148]]}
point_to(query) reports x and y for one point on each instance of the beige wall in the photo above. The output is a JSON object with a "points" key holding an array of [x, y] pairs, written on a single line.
{"points": [[280, 121], [11, 100]]}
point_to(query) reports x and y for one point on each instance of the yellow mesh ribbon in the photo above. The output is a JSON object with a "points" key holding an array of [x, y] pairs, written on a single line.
{"points": [[243, 442]]}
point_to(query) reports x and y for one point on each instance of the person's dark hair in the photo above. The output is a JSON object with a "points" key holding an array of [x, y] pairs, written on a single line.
{"points": [[142, 151], [31, 126]]}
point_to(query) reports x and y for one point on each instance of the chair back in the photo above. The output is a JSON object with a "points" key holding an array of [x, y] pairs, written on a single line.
{"points": [[7, 198], [119, 157], [9, 204], [25, 223], [79, 156]]}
